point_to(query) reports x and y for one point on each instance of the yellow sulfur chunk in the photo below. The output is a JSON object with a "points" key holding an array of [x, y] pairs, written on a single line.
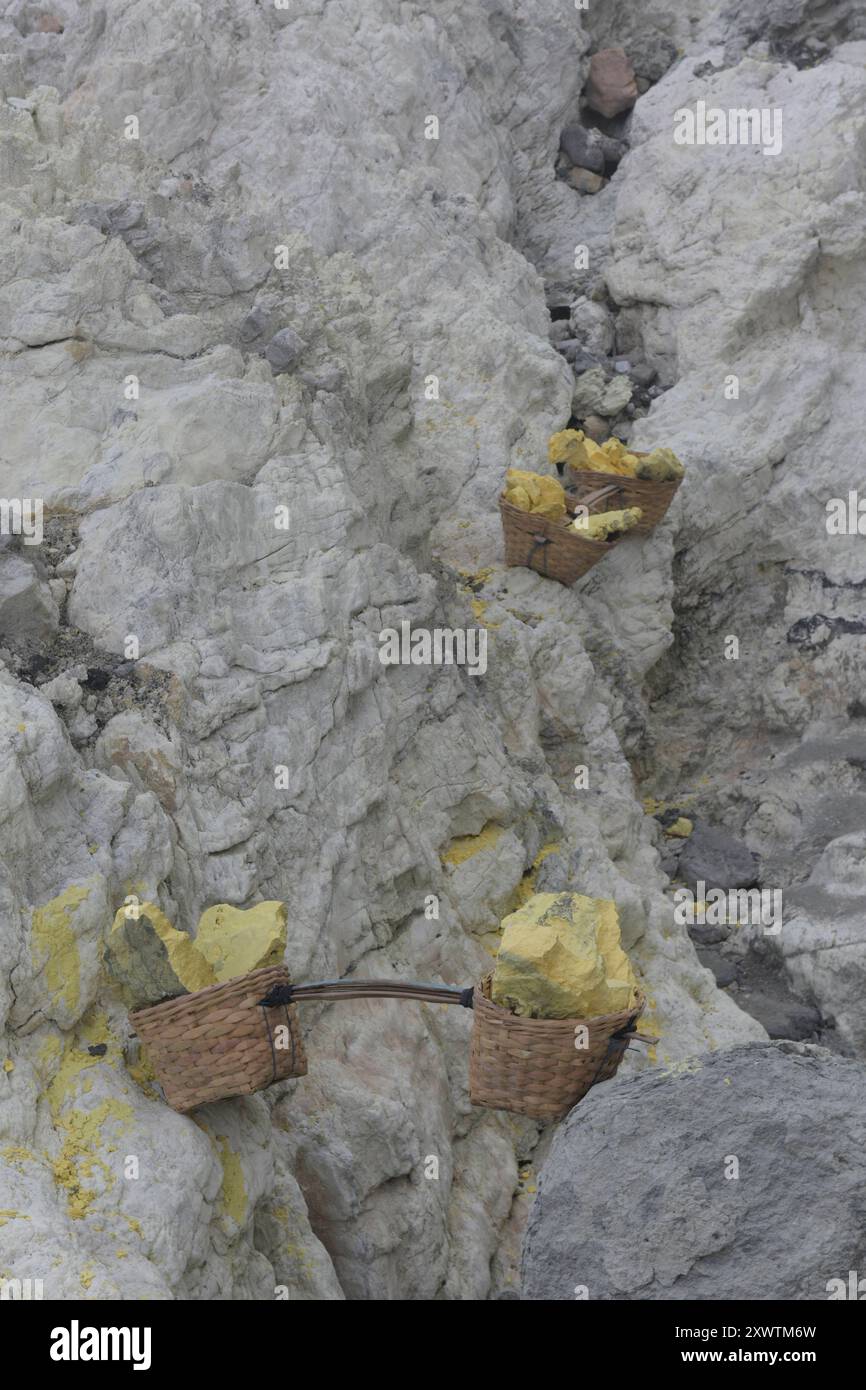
{"points": [[568, 446], [546, 495], [621, 460], [519, 497], [681, 828], [660, 466], [607, 525], [561, 957], [234, 942]]}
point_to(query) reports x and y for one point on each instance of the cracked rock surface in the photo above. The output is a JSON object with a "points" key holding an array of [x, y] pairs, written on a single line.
{"points": [[266, 364]]}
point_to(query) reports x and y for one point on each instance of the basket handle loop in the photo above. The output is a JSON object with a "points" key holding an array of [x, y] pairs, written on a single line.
{"points": [[332, 991]]}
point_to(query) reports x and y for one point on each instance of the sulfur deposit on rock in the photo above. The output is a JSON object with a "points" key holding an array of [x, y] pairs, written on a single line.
{"points": [[234, 942], [561, 957], [607, 526], [532, 492], [150, 959]]}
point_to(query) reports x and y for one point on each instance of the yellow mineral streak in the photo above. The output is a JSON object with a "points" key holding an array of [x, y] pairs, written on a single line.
{"points": [[14, 1153], [526, 887], [189, 965], [144, 1076], [10, 1214], [8, 1065], [468, 845], [80, 1130], [79, 1158], [233, 1194], [532, 492], [604, 526], [53, 946], [561, 957], [87, 1276], [234, 942]]}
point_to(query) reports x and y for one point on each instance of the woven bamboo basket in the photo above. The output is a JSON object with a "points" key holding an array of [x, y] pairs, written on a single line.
{"points": [[652, 498], [550, 547], [221, 1041], [531, 1066]]}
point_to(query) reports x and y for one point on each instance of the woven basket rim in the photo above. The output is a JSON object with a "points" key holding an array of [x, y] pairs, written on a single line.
{"points": [[552, 1025], [625, 479], [182, 1001], [562, 529]]}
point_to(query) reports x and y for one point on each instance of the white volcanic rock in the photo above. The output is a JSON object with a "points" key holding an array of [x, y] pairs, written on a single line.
{"points": [[254, 533]]}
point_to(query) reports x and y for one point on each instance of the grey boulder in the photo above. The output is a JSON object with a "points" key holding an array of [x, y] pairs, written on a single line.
{"points": [[637, 1199], [718, 859]]}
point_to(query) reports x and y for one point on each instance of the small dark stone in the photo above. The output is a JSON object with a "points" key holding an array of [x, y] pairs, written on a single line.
{"points": [[709, 936], [97, 679], [253, 325], [583, 148], [783, 1018], [284, 349], [717, 859], [98, 1049], [724, 971], [642, 373]]}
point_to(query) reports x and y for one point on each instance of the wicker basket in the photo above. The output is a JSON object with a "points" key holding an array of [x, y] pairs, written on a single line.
{"points": [[653, 498], [220, 1041], [531, 1066], [551, 548]]}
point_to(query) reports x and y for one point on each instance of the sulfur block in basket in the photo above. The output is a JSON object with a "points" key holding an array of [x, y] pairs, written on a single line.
{"points": [[561, 957]]}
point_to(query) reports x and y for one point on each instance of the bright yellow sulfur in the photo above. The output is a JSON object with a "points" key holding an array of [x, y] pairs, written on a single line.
{"points": [[234, 942], [561, 957], [568, 446], [546, 496], [661, 466], [681, 828], [607, 526]]}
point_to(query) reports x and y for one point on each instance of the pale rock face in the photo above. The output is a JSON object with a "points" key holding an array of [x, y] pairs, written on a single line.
{"points": [[254, 532]]}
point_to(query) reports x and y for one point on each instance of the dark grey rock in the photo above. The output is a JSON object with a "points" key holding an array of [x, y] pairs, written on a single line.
{"points": [[110, 218], [709, 935], [643, 373], [783, 1018], [254, 325], [613, 150], [582, 146], [655, 54], [717, 858], [574, 352], [724, 970], [634, 1204], [284, 349]]}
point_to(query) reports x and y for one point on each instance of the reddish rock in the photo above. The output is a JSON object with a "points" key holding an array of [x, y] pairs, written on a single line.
{"points": [[49, 24], [611, 86]]}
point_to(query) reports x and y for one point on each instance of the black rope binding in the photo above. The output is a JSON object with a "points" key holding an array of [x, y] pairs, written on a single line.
{"points": [[278, 994], [539, 542], [265, 1005]]}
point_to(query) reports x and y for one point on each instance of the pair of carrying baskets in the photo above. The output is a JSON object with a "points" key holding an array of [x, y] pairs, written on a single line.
{"points": [[554, 550], [236, 1038]]}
